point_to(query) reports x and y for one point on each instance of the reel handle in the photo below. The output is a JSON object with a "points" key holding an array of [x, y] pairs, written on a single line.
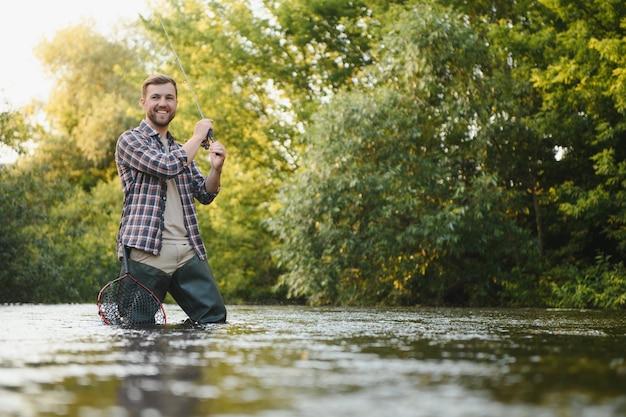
{"points": [[208, 140]]}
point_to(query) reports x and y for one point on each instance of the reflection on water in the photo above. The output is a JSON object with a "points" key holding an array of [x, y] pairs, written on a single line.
{"points": [[297, 361]]}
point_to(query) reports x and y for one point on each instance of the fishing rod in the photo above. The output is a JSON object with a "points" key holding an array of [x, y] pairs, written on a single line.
{"points": [[209, 135]]}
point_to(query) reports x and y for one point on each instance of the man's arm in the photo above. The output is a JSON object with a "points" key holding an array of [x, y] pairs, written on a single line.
{"points": [[217, 154], [192, 146]]}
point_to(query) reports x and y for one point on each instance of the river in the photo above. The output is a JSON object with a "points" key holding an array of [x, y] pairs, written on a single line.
{"points": [[294, 361]]}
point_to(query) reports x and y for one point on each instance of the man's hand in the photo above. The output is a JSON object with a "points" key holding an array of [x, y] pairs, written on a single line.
{"points": [[202, 128], [217, 155]]}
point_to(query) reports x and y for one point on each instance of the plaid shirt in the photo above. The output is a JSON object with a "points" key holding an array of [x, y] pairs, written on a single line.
{"points": [[144, 167]]}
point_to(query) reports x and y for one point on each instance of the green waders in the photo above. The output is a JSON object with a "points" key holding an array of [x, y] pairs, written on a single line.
{"points": [[192, 286]]}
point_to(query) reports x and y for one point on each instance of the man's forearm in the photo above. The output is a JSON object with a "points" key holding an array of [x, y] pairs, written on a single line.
{"points": [[212, 181]]}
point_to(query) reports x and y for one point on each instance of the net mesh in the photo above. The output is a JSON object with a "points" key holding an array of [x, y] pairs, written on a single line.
{"points": [[126, 302]]}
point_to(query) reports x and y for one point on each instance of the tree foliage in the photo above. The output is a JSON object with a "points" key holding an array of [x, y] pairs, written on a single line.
{"points": [[379, 152], [396, 205], [95, 97]]}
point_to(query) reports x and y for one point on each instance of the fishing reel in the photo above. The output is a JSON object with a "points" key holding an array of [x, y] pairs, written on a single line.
{"points": [[209, 138]]}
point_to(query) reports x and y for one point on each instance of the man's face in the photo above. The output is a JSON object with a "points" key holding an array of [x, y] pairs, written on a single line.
{"points": [[160, 104]]}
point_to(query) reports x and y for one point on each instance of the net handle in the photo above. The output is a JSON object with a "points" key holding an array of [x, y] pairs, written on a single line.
{"points": [[125, 260]]}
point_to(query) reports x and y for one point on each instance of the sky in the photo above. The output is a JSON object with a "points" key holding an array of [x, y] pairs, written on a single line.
{"points": [[25, 23]]}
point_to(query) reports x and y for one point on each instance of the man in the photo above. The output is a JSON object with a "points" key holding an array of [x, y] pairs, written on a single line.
{"points": [[159, 226]]}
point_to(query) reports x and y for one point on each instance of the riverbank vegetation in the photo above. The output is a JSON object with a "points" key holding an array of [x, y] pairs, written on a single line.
{"points": [[380, 152]]}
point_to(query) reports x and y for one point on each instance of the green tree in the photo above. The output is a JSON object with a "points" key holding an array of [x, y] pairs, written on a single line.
{"points": [[59, 235], [82, 229], [583, 108], [13, 129], [95, 98], [22, 204], [57, 240], [260, 77], [562, 129], [438, 152], [27, 264], [393, 202]]}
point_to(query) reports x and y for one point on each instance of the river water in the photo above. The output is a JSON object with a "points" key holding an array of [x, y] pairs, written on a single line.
{"points": [[60, 360]]}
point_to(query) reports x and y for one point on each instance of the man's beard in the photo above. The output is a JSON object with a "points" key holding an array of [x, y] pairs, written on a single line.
{"points": [[154, 118]]}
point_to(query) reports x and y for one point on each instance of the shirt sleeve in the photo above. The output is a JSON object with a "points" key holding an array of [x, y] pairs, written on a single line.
{"points": [[199, 180], [138, 152]]}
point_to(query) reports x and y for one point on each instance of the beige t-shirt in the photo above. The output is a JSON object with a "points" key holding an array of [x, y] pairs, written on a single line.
{"points": [[174, 231]]}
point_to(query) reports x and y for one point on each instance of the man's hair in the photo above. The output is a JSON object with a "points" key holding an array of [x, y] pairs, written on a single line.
{"points": [[158, 79]]}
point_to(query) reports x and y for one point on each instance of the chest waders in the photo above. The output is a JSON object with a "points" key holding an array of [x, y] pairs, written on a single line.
{"points": [[192, 286]]}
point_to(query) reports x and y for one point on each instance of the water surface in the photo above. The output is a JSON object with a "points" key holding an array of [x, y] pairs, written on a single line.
{"points": [[60, 360]]}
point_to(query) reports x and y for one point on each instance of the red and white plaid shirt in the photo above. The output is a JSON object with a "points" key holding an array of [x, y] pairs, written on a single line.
{"points": [[144, 167]]}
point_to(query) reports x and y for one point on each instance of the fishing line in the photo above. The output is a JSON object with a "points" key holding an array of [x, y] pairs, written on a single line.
{"points": [[182, 69]]}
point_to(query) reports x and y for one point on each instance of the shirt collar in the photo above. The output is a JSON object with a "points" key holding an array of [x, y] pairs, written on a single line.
{"points": [[149, 130]]}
